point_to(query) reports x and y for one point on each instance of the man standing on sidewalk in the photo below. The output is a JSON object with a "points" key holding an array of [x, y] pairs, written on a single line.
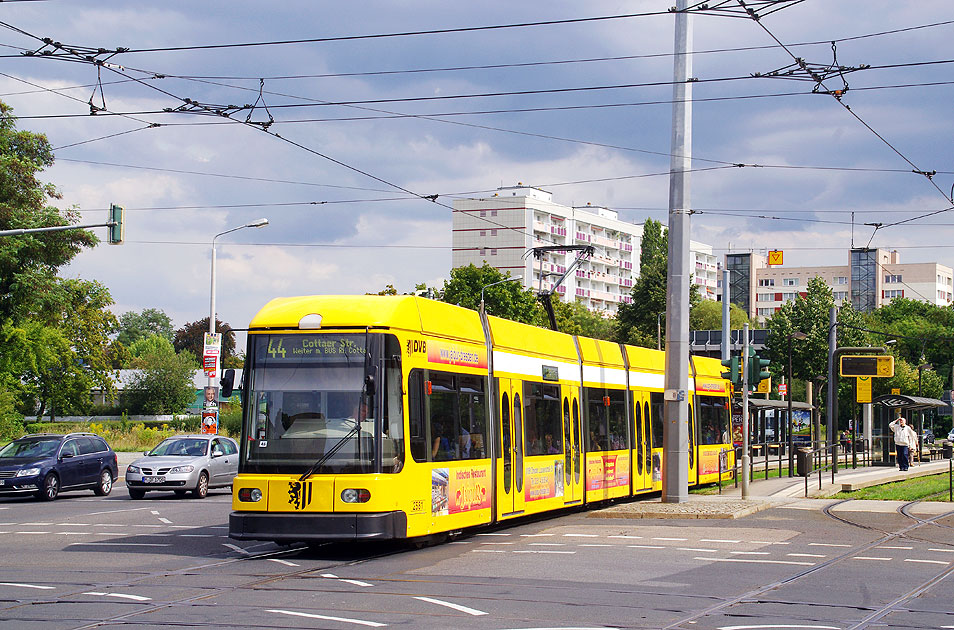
{"points": [[904, 440]]}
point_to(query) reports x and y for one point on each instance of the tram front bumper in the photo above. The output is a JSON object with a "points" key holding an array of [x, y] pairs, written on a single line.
{"points": [[287, 527]]}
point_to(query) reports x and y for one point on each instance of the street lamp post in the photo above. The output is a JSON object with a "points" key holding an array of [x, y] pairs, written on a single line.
{"points": [[254, 224], [791, 441]]}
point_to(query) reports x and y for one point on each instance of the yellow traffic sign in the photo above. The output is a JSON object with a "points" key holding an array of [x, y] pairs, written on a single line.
{"points": [[765, 386], [863, 389], [775, 257]]}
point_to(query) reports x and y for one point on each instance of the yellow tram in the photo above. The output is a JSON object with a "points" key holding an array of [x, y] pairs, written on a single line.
{"points": [[387, 417]]}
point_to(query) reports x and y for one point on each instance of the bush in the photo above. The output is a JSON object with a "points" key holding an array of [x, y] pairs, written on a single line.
{"points": [[230, 420], [11, 423]]}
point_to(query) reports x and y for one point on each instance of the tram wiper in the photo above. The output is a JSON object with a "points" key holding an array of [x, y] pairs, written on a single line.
{"points": [[334, 449]]}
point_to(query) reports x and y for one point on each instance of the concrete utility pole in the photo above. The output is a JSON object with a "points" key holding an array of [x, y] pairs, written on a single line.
{"points": [[676, 411], [726, 323], [745, 411]]}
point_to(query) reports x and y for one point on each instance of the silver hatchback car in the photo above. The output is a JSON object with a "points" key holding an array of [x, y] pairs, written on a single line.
{"points": [[184, 463]]}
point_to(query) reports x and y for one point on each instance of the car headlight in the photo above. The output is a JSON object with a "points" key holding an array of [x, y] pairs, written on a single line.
{"points": [[28, 472], [133, 469], [181, 469]]}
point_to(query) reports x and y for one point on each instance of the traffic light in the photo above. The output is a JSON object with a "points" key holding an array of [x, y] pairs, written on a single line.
{"points": [[117, 231], [734, 372], [757, 369]]}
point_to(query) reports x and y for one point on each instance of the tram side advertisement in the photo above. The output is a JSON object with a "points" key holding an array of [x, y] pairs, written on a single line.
{"points": [[456, 490]]}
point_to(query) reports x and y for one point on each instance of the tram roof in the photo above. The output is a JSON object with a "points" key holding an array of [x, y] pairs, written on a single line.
{"points": [[408, 312]]}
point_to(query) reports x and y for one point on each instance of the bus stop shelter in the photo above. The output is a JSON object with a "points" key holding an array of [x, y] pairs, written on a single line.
{"points": [[889, 407], [768, 421]]}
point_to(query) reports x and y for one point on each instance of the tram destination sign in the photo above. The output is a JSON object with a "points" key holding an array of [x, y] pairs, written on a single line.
{"points": [[314, 346], [871, 365]]}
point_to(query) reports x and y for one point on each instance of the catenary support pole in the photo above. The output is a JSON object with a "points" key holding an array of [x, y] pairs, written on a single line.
{"points": [[745, 411], [676, 411], [726, 323]]}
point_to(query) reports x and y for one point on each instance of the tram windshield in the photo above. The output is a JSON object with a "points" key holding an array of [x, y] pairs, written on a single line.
{"points": [[331, 399]]}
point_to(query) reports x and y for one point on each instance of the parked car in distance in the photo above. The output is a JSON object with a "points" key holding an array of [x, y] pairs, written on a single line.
{"points": [[184, 463], [927, 436], [46, 464], [950, 435]]}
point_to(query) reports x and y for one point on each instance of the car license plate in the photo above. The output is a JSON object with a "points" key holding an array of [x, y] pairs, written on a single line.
{"points": [[153, 479]]}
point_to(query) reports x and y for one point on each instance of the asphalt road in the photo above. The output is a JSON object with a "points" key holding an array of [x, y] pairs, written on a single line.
{"points": [[90, 562]]}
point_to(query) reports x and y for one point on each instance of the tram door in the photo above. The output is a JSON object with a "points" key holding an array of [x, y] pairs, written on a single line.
{"points": [[510, 463], [572, 446], [693, 443], [642, 443]]}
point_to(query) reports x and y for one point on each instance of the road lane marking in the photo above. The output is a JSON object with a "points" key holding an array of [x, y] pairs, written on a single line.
{"points": [[35, 524], [493, 534], [458, 607], [165, 520], [872, 558], [498, 543], [489, 550], [118, 544], [542, 551], [927, 561], [21, 585], [756, 561], [645, 547], [285, 562], [535, 535], [698, 550], [137, 598], [888, 547], [720, 540], [630, 537], [779, 627], [31, 532], [751, 553], [671, 539], [114, 511], [355, 582], [196, 535], [156, 512], [581, 535], [359, 622], [807, 555], [827, 545], [943, 550]]}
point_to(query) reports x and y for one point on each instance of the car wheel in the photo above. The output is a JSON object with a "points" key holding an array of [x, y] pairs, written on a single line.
{"points": [[180, 493], [202, 488], [136, 494], [105, 485], [51, 487]]}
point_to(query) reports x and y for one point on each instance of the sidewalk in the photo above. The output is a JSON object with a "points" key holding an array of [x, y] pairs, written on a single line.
{"points": [[776, 492]]}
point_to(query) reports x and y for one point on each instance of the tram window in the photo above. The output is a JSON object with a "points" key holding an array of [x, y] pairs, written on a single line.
{"points": [[472, 418], [713, 419], [639, 435], [415, 416], [542, 419], [393, 418], [656, 402], [595, 417], [692, 438], [567, 475], [648, 433], [616, 419], [576, 433], [505, 437]]}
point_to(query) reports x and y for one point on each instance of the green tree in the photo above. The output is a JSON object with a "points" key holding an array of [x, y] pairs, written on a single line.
{"points": [[134, 326], [923, 332], [29, 262], [163, 382], [707, 315], [636, 320], [191, 338], [508, 300], [153, 344], [575, 319], [810, 316]]}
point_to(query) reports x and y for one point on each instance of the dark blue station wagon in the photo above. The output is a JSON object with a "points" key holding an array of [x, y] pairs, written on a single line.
{"points": [[46, 464]]}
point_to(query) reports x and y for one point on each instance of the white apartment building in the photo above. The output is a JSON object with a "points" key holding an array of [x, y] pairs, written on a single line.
{"points": [[872, 278], [502, 229]]}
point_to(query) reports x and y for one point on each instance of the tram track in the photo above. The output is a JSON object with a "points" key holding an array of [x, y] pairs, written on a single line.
{"points": [[753, 595]]}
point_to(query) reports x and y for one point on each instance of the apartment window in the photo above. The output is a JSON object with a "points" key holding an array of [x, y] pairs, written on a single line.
{"points": [[483, 213], [767, 282], [789, 282], [483, 232], [892, 278], [493, 252], [766, 312], [841, 279], [483, 251], [890, 294], [493, 213], [840, 295], [493, 232], [765, 297], [788, 297]]}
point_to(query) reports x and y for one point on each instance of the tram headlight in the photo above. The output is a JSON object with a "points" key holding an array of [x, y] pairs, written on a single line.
{"points": [[250, 495], [355, 495]]}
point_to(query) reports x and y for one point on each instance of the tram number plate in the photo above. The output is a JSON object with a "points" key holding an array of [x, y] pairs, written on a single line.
{"points": [[153, 479]]}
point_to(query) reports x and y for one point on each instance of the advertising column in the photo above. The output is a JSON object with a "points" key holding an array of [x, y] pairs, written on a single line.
{"points": [[210, 365]]}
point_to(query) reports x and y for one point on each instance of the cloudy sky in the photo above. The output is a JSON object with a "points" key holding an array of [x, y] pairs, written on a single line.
{"points": [[370, 115]]}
